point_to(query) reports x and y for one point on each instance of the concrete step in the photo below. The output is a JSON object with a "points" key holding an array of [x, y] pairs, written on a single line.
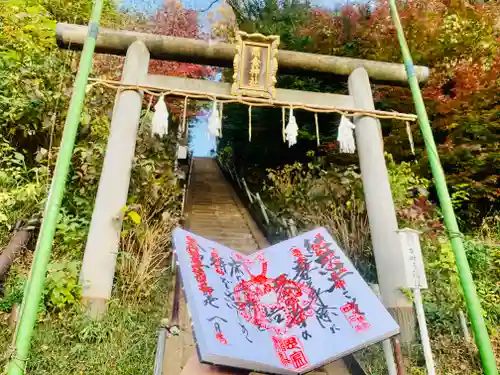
{"points": [[204, 211]]}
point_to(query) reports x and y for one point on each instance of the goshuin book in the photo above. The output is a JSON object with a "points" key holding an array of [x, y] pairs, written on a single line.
{"points": [[287, 309]]}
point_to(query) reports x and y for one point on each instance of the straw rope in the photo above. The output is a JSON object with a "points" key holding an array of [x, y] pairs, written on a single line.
{"points": [[256, 102]]}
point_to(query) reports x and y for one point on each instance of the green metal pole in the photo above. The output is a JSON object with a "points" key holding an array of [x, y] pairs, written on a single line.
{"points": [[34, 287], [471, 298]]}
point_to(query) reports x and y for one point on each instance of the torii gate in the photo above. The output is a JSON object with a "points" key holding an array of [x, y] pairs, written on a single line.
{"points": [[104, 235], [139, 48]]}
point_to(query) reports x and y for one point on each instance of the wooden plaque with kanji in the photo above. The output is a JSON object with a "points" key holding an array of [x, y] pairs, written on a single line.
{"points": [[255, 65]]}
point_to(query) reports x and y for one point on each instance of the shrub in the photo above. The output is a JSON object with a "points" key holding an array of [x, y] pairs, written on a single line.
{"points": [[62, 289]]}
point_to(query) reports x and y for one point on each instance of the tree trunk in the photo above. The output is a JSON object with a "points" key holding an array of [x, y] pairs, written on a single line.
{"points": [[16, 245]]}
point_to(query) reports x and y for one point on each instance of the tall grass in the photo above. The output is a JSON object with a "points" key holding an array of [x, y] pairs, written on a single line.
{"points": [[333, 199], [143, 259]]}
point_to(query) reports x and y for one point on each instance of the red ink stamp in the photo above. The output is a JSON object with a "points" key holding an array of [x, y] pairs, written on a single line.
{"points": [[196, 266], [299, 360], [290, 352], [355, 318], [276, 304]]}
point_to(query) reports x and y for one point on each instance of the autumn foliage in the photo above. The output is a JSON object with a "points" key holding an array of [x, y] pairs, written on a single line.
{"points": [[175, 20], [459, 41], [170, 19]]}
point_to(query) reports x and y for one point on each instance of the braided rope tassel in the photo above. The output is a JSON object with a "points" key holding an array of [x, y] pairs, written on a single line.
{"points": [[184, 115], [220, 117], [249, 123], [410, 137], [317, 127], [283, 119]]}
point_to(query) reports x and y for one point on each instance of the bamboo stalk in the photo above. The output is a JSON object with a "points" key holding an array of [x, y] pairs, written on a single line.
{"points": [[34, 286], [471, 298]]}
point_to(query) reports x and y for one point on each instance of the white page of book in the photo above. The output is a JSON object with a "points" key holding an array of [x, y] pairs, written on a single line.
{"points": [[291, 307]]}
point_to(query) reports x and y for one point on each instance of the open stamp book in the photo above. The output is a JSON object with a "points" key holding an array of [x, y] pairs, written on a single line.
{"points": [[287, 309]]}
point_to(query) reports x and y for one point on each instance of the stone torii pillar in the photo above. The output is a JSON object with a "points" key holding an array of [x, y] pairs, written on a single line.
{"points": [[103, 241], [380, 206]]}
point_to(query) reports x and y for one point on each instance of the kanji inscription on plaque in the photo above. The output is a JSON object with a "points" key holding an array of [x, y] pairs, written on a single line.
{"points": [[255, 65]]}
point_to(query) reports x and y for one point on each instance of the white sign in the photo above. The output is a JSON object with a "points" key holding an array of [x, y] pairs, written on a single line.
{"points": [[182, 152], [413, 260]]}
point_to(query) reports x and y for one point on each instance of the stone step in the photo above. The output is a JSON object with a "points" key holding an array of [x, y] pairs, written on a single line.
{"points": [[213, 204], [216, 195], [215, 226], [195, 208], [228, 241], [205, 215]]}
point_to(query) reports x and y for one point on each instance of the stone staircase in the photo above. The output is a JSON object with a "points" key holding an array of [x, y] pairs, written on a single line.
{"points": [[213, 210]]}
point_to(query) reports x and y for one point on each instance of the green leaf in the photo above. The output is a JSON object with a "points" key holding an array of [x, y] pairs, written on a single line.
{"points": [[85, 118], [135, 217]]}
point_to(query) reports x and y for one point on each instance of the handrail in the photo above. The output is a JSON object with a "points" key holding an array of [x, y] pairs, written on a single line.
{"points": [[160, 351], [188, 181], [274, 226]]}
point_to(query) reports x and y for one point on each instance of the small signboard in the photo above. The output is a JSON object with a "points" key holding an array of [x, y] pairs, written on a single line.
{"points": [[182, 152], [255, 65], [413, 261]]}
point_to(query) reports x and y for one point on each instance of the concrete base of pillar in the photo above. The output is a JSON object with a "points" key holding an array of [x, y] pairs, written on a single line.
{"points": [[95, 307]]}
